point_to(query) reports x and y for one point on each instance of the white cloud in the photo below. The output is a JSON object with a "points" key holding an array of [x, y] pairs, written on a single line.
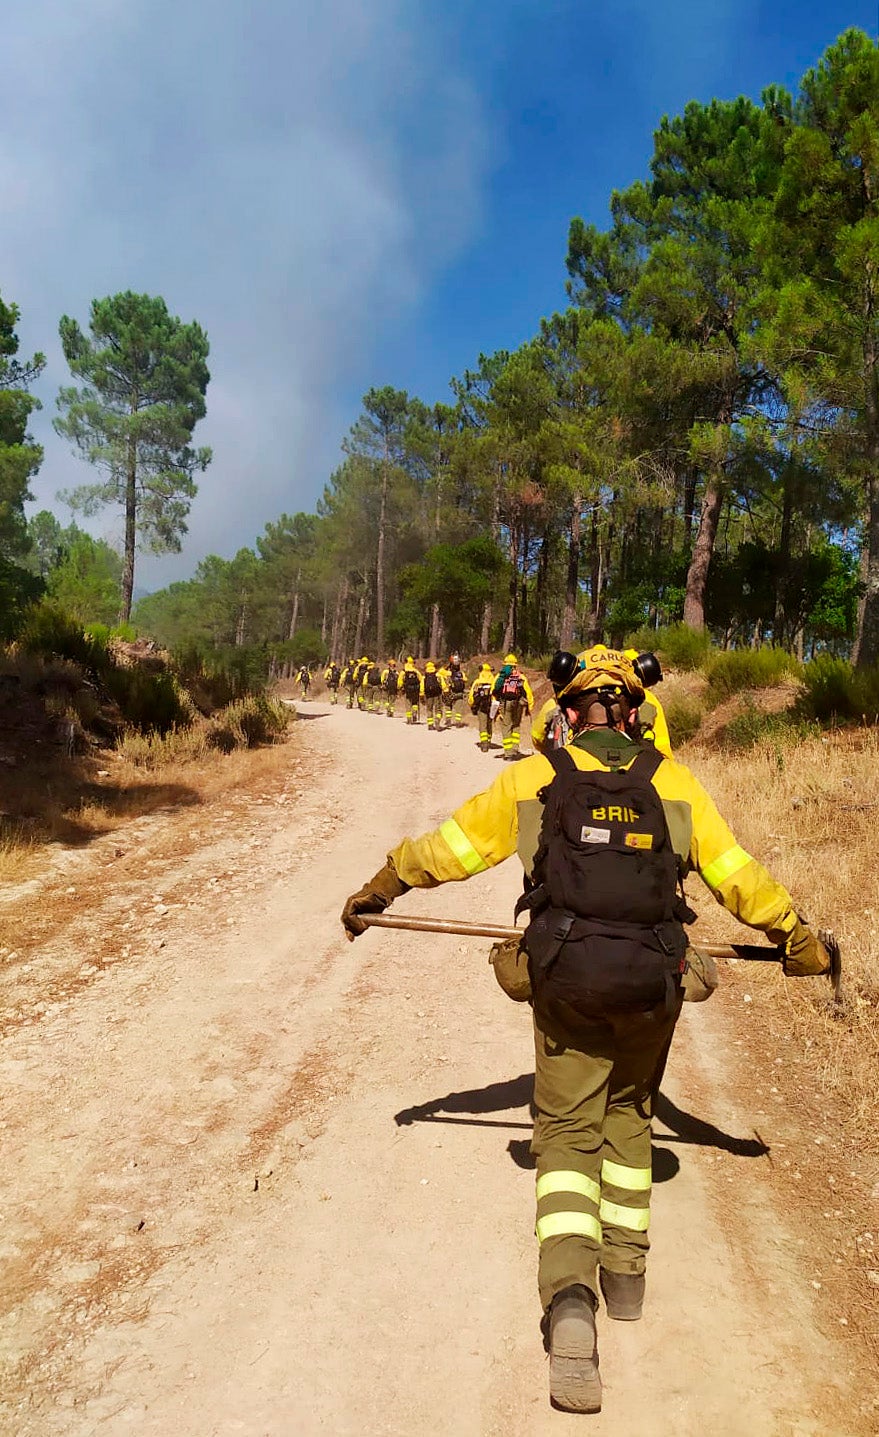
{"points": [[291, 175]]}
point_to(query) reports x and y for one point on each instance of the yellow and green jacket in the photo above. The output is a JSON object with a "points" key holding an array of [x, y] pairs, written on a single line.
{"points": [[654, 727], [486, 675], [505, 818]]}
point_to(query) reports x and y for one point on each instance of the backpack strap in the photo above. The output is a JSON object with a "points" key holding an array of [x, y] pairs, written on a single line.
{"points": [[560, 759], [646, 762]]}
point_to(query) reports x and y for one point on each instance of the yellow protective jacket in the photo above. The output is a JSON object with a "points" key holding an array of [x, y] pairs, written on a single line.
{"points": [[651, 715], [442, 683], [485, 676], [445, 678], [505, 818], [410, 669], [527, 695]]}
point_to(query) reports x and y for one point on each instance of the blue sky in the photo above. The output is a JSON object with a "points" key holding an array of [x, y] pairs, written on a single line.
{"points": [[344, 194]]}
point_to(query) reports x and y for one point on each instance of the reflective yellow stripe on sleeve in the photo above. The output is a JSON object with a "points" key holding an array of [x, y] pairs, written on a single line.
{"points": [[568, 1182], [636, 1219], [470, 860], [725, 866], [633, 1180], [568, 1224]]}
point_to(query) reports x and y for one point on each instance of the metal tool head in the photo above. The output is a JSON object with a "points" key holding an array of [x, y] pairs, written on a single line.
{"points": [[831, 943]]}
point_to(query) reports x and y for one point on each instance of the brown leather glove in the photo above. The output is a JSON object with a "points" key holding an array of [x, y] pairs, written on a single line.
{"points": [[805, 956], [374, 897]]}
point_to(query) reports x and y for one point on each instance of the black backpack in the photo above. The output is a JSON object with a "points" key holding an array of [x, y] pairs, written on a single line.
{"points": [[606, 932], [334, 676], [457, 683], [391, 680], [411, 684], [432, 686], [374, 677], [481, 696]]}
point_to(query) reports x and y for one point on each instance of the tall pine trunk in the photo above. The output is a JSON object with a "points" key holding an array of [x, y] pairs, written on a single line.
{"points": [[380, 557], [130, 526], [709, 519], [358, 630], [703, 549], [336, 644], [436, 630], [294, 613], [866, 647], [572, 579]]}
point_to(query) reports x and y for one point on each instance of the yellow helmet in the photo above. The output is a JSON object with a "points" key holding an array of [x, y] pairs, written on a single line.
{"points": [[604, 668], [510, 659], [430, 667], [486, 667]]}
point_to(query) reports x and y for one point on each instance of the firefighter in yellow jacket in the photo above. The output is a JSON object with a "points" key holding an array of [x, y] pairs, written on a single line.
{"points": [[512, 693], [390, 681], [410, 683], [595, 1066], [332, 679], [550, 729], [433, 693], [454, 682], [361, 669], [480, 701]]}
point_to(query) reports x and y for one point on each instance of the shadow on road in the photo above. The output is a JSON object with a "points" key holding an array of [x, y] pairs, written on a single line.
{"points": [[690, 1129], [494, 1098], [519, 1093]]}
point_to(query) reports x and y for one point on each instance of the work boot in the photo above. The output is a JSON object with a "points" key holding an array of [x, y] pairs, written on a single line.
{"points": [[623, 1294], [574, 1383], [485, 746]]}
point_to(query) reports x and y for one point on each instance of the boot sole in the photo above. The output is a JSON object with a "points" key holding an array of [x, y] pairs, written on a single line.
{"points": [[574, 1381]]}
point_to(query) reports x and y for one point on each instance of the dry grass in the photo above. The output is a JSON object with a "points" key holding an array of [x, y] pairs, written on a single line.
{"points": [[810, 813]]}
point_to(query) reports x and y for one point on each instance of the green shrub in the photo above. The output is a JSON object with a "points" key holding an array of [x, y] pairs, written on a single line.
{"points": [[678, 646], [753, 726], [253, 720], [52, 633], [216, 677], [684, 718], [837, 693], [733, 670], [150, 702]]}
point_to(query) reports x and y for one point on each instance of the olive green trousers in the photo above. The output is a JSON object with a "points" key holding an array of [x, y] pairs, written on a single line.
{"points": [[593, 1097]]}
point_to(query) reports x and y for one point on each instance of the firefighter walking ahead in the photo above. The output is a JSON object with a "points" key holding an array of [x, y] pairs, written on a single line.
{"points": [[621, 826]]}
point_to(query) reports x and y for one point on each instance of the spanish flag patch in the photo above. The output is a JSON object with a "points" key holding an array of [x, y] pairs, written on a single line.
{"points": [[639, 840]]}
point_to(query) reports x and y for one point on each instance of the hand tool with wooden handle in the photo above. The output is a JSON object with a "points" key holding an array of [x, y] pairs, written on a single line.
{"points": [[750, 952]]}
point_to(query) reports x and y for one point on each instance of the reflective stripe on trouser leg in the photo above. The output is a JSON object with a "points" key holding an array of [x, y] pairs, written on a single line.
{"points": [[642, 1040], [625, 1215], [511, 718], [567, 1207], [570, 1094]]}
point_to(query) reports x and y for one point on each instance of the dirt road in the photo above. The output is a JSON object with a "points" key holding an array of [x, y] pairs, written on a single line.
{"points": [[259, 1180]]}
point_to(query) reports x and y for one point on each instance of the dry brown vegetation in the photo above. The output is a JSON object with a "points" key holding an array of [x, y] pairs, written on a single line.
{"points": [[71, 768], [809, 812]]}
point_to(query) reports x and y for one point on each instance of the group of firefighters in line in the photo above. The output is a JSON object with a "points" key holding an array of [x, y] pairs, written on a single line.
{"points": [[441, 691], [503, 698]]}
